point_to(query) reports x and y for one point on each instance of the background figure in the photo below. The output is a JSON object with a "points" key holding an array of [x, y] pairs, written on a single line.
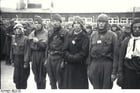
{"points": [[129, 60], [7, 45], [102, 57], [27, 28], [36, 47], [75, 54], [55, 52], [89, 30], [21, 74], [126, 32], [116, 29], [2, 39]]}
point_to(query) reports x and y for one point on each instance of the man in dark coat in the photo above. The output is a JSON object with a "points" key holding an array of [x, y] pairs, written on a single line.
{"points": [[129, 60], [7, 45], [2, 39], [36, 47], [18, 49], [55, 52], [102, 57], [76, 51], [126, 33]]}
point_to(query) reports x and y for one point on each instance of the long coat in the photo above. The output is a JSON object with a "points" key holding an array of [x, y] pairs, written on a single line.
{"points": [[75, 69], [128, 69]]}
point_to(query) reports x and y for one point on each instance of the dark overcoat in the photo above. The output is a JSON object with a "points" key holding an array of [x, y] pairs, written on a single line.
{"points": [[75, 69]]}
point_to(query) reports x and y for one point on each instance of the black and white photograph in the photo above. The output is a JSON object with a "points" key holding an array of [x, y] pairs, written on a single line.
{"points": [[86, 45]]}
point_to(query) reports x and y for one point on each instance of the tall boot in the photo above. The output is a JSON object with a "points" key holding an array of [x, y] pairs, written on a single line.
{"points": [[41, 85], [18, 86], [53, 85], [24, 85]]}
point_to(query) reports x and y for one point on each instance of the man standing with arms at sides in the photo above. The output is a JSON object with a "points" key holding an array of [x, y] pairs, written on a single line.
{"points": [[36, 47], [21, 74], [76, 48], [102, 56], [55, 51]]}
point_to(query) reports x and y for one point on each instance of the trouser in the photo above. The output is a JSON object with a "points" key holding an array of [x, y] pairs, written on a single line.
{"points": [[53, 69], [39, 69], [131, 79], [21, 74], [21, 85], [41, 84], [99, 73]]}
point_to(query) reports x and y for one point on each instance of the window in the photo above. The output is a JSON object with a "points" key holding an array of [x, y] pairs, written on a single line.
{"points": [[115, 20], [89, 19], [34, 4], [110, 21], [123, 20], [129, 20]]}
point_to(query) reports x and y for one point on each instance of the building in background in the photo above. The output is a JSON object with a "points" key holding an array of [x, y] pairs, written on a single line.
{"points": [[26, 9]]}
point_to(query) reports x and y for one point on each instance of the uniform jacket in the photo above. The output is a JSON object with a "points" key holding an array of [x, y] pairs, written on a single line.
{"points": [[104, 46], [56, 39], [41, 45]]}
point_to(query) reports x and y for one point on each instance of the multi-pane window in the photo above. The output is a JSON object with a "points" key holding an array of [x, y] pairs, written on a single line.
{"points": [[110, 21], [116, 20], [123, 20], [129, 20], [89, 19]]}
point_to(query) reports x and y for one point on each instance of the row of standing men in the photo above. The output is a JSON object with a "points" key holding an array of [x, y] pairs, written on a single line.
{"points": [[71, 57]]}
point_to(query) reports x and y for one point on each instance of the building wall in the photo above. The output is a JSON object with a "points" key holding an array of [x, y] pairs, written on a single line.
{"points": [[114, 18]]}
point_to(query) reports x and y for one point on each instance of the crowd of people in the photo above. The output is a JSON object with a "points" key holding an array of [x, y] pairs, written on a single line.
{"points": [[73, 53]]}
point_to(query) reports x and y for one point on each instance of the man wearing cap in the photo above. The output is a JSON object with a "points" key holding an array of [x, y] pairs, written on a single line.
{"points": [[76, 51], [21, 74], [36, 47], [102, 55], [129, 60], [55, 52]]}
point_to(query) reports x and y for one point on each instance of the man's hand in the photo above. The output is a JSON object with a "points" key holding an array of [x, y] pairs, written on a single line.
{"points": [[113, 77], [45, 63], [26, 65], [35, 39]]}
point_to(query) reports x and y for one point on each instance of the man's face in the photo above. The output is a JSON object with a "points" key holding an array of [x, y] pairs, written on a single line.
{"points": [[127, 30], [136, 29], [101, 25], [114, 28], [88, 30], [56, 23], [19, 31], [77, 27], [37, 26]]}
